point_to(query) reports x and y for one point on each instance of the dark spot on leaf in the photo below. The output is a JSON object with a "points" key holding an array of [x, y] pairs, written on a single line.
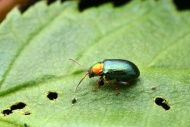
{"points": [[19, 105], [162, 102], [74, 100], [182, 4], [7, 112], [52, 95]]}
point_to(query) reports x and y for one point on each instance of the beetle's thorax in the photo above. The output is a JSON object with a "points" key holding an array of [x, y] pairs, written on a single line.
{"points": [[96, 69]]}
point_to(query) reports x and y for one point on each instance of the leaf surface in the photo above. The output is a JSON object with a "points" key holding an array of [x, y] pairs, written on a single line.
{"points": [[34, 60]]}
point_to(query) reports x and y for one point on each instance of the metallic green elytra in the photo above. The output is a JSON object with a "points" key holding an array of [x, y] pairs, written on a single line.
{"points": [[120, 70]]}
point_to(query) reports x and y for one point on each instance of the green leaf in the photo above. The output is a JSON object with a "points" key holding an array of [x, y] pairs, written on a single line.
{"points": [[34, 60]]}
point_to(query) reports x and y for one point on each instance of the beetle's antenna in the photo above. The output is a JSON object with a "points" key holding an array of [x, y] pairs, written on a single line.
{"points": [[83, 69], [81, 81], [79, 64]]}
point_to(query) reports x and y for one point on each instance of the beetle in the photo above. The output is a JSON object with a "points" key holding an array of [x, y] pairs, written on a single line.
{"points": [[120, 70]]}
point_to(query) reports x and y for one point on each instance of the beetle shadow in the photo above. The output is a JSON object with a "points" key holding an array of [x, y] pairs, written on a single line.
{"points": [[130, 84], [121, 87]]}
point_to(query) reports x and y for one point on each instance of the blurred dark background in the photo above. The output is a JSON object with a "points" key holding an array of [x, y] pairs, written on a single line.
{"points": [[23, 5]]}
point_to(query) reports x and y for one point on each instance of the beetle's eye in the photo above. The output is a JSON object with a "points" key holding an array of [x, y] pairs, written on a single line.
{"points": [[91, 74]]}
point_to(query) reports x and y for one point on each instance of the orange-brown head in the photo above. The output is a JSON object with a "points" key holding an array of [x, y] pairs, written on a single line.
{"points": [[96, 69]]}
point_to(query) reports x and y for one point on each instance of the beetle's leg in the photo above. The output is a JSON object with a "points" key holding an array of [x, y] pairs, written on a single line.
{"points": [[114, 86], [100, 83]]}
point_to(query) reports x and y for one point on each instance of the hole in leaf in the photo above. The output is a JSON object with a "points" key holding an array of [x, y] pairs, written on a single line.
{"points": [[159, 101], [19, 105], [162, 102], [52, 95], [165, 106], [74, 100], [182, 4], [7, 112]]}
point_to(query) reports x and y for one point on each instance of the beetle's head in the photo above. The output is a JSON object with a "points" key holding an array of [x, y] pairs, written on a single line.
{"points": [[96, 70]]}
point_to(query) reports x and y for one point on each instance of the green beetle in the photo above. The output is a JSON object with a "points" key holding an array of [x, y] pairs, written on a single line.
{"points": [[118, 69]]}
